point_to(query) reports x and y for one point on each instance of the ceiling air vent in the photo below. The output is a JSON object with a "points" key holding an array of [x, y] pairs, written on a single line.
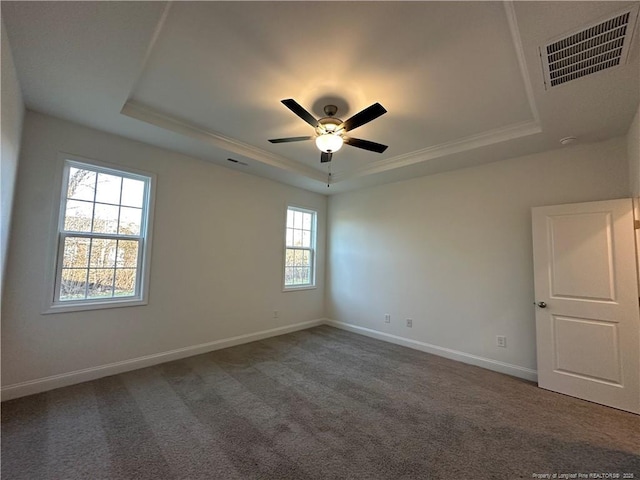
{"points": [[598, 47]]}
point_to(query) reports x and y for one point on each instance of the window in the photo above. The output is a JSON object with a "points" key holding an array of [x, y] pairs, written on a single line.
{"points": [[103, 249], [300, 244]]}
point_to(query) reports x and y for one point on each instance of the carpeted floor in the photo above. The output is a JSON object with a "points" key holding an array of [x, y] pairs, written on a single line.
{"points": [[315, 404]]}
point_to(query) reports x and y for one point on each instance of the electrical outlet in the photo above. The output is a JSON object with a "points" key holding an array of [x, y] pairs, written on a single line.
{"points": [[501, 341], [387, 318], [409, 323], [275, 314]]}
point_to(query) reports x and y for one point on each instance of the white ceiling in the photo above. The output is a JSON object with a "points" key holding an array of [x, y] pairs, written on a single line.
{"points": [[462, 81]]}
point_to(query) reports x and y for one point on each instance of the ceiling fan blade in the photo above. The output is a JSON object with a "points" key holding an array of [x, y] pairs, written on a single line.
{"points": [[364, 116], [365, 144], [296, 108], [325, 157], [290, 139]]}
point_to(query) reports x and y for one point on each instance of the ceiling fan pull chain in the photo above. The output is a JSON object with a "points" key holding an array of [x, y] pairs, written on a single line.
{"points": [[329, 176]]}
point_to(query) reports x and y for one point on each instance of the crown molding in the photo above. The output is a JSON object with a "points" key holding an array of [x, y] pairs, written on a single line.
{"points": [[522, 63], [472, 142], [149, 115], [503, 134]]}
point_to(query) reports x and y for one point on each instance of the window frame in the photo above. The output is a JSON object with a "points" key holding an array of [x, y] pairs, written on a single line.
{"points": [[52, 303], [313, 249]]}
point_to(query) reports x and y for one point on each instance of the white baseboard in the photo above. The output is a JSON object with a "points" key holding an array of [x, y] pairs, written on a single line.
{"points": [[30, 387], [495, 365]]}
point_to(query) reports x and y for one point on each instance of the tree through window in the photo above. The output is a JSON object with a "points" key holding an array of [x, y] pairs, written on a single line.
{"points": [[102, 235], [300, 248]]}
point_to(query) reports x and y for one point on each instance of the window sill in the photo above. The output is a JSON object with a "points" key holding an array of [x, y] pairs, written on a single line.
{"points": [[296, 289], [98, 305]]}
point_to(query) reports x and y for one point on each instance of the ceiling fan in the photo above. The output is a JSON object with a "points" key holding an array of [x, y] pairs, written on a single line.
{"points": [[330, 130]]}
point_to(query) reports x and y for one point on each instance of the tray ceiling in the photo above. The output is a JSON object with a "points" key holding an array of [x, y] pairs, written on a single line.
{"points": [[462, 81]]}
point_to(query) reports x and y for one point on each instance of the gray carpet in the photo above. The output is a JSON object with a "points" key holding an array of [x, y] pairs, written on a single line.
{"points": [[315, 404]]}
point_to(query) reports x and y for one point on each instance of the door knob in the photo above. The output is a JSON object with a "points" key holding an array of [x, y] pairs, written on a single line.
{"points": [[542, 305]]}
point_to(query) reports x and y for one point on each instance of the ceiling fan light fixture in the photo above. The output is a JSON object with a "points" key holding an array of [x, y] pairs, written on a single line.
{"points": [[329, 142]]}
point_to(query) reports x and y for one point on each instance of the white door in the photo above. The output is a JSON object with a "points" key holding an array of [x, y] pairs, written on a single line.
{"points": [[587, 315]]}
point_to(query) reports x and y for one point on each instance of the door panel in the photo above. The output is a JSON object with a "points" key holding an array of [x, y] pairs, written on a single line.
{"points": [[581, 263], [588, 336], [576, 338]]}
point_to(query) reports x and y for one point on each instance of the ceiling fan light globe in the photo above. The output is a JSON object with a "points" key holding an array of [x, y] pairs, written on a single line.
{"points": [[329, 143]]}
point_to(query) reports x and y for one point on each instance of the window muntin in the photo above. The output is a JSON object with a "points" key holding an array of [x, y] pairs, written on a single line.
{"points": [[300, 240], [102, 234]]}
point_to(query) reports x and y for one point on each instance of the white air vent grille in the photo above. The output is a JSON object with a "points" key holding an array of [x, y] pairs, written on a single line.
{"points": [[590, 50]]}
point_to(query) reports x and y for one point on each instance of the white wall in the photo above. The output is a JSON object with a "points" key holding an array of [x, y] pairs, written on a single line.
{"points": [[453, 251], [633, 152], [11, 130], [216, 269]]}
